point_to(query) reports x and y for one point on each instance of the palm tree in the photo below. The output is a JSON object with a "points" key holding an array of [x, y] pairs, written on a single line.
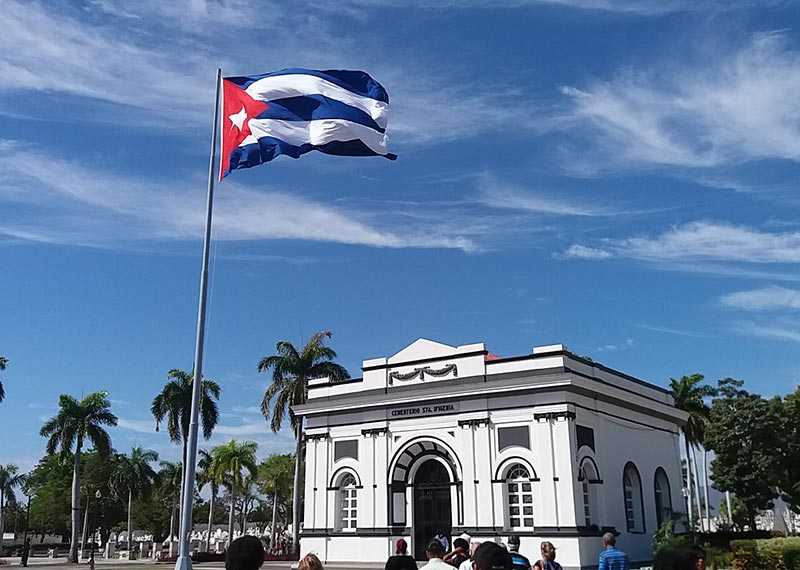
{"points": [[228, 461], [275, 474], [134, 475], [75, 422], [9, 480], [3, 364], [206, 477], [174, 403], [169, 477], [689, 393], [291, 371]]}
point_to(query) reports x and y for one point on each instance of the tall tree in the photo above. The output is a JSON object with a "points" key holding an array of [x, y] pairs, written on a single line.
{"points": [[206, 477], [229, 462], [275, 476], [291, 371], [3, 364], [689, 394], [75, 422], [744, 433], [10, 479], [169, 478], [790, 472], [174, 404], [133, 475]]}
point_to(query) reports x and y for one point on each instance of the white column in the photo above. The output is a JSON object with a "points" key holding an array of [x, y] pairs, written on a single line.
{"points": [[566, 470], [366, 495], [380, 490], [545, 509], [465, 443], [312, 477], [321, 519], [487, 515]]}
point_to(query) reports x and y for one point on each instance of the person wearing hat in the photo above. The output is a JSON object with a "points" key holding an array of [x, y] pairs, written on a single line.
{"points": [[518, 561], [492, 556], [548, 560], [401, 560]]}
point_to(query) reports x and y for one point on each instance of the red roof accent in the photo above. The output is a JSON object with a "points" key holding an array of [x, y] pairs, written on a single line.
{"points": [[490, 356]]}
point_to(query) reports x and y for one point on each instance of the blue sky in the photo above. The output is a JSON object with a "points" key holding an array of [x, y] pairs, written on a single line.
{"points": [[619, 176]]}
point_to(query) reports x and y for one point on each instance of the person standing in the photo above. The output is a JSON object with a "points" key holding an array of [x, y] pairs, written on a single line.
{"points": [[548, 560], [401, 560], [518, 561], [435, 552], [474, 543], [26, 551], [492, 556], [459, 554], [612, 558]]}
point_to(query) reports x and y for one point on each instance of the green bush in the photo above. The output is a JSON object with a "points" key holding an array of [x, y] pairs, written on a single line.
{"points": [[770, 554]]}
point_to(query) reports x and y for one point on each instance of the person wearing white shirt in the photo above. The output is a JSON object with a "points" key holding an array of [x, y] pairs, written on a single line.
{"points": [[474, 543], [435, 552]]}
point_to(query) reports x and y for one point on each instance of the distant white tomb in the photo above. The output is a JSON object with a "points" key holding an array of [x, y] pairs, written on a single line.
{"points": [[454, 440]]}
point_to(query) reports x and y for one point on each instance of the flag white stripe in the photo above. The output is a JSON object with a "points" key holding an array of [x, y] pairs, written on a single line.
{"points": [[297, 85], [316, 132]]}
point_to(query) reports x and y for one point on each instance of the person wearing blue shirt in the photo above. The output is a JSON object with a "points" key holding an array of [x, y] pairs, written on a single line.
{"points": [[612, 558]]}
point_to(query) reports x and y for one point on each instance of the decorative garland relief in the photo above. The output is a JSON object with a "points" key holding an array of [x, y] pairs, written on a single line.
{"points": [[421, 372]]}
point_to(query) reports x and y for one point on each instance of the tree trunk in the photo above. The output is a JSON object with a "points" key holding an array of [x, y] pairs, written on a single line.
{"points": [[130, 530], [688, 484], [172, 525], [210, 518], [296, 490], [728, 503], [245, 506], [705, 487], [85, 524], [274, 518], [697, 490], [231, 516], [76, 505]]}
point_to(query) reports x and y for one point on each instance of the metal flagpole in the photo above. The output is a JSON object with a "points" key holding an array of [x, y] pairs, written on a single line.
{"points": [[184, 561]]}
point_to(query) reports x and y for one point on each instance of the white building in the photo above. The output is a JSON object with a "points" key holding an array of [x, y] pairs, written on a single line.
{"points": [[546, 446]]}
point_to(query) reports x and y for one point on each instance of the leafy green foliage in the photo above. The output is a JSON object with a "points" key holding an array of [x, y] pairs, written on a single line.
{"points": [[291, 371], [743, 433], [174, 404], [770, 554], [789, 476]]}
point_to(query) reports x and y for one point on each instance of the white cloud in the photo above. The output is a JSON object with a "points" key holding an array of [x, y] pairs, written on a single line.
{"points": [[584, 252], [707, 241], [626, 345], [139, 426], [781, 330], [98, 208], [674, 331], [498, 194], [764, 299], [738, 106]]}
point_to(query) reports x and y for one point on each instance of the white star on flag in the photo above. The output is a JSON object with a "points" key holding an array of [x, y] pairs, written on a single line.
{"points": [[239, 118]]}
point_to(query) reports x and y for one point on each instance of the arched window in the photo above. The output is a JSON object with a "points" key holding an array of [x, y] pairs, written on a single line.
{"points": [[632, 492], [663, 496], [588, 478], [519, 494], [347, 502]]}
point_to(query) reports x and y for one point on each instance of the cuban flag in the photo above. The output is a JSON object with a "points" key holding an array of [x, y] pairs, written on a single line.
{"points": [[295, 111]]}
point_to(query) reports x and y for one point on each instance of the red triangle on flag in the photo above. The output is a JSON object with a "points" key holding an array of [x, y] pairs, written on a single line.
{"points": [[238, 107]]}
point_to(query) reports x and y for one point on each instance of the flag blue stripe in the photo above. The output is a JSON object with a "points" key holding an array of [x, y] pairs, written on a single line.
{"points": [[358, 82], [311, 107], [268, 148]]}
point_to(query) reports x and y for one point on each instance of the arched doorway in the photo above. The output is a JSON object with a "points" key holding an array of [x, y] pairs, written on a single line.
{"points": [[432, 508]]}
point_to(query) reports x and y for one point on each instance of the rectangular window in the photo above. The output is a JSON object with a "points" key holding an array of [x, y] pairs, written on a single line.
{"points": [[513, 436], [585, 436], [347, 448]]}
